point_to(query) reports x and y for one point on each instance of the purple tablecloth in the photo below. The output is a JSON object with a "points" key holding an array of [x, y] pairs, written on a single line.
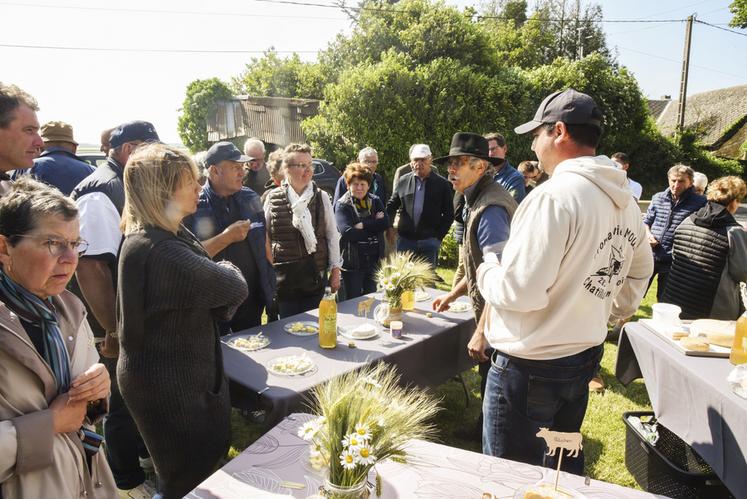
{"points": [[433, 471], [432, 351], [690, 396]]}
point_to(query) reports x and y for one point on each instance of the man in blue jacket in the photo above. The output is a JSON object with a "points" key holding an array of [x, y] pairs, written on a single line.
{"points": [[665, 213], [230, 223], [58, 165]]}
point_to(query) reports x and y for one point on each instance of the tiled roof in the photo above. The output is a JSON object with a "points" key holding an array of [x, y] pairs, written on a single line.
{"points": [[657, 106], [712, 112]]}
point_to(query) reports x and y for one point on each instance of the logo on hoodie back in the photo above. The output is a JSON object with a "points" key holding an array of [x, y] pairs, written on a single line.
{"points": [[602, 282]]}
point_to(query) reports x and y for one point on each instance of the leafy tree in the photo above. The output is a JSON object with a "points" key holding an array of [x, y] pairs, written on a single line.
{"points": [[556, 28], [201, 99], [391, 104], [423, 29], [739, 9], [272, 76]]}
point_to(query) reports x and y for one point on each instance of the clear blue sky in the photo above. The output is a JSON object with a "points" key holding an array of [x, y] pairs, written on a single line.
{"points": [[96, 89]]}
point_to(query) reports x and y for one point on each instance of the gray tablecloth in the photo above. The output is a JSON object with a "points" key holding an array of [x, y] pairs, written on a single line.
{"points": [[691, 397], [433, 470], [432, 350]]}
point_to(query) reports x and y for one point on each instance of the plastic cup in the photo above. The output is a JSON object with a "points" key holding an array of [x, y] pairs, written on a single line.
{"points": [[666, 313]]}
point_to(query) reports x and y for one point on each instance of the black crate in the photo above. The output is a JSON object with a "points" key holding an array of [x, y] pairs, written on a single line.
{"points": [[671, 467]]}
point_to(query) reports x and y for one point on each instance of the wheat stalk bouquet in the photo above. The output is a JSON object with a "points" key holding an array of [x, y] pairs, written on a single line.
{"points": [[401, 271], [364, 417]]}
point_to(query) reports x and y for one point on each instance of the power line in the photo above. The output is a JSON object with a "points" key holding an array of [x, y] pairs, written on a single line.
{"points": [[676, 9], [719, 27], [163, 11], [306, 4], [156, 51], [742, 77]]}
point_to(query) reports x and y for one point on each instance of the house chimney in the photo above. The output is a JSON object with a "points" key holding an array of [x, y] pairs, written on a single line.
{"points": [[666, 97]]}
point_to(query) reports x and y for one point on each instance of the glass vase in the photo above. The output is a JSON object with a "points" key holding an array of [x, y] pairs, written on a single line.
{"points": [[357, 491], [395, 314]]}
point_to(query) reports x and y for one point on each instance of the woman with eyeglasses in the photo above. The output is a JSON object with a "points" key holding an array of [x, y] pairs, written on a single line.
{"points": [[52, 387], [302, 235], [170, 295]]}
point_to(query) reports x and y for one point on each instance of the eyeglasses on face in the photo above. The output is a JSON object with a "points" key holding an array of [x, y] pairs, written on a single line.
{"points": [[301, 166], [458, 162], [57, 246]]}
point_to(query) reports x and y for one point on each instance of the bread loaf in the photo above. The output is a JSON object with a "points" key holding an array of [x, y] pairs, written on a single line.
{"points": [[714, 331]]}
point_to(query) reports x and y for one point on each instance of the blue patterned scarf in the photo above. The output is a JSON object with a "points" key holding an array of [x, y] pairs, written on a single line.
{"points": [[34, 310]]}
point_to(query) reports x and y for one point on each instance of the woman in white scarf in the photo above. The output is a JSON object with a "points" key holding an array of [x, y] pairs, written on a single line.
{"points": [[301, 191]]}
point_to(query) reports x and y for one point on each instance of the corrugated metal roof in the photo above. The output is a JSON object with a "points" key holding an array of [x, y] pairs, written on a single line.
{"points": [[275, 120]]}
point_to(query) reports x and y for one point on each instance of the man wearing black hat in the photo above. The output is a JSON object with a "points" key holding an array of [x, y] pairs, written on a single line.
{"points": [[100, 199], [577, 255], [230, 222], [487, 215]]}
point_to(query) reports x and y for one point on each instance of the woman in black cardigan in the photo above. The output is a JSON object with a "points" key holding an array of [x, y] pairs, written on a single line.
{"points": [[170, 295], [361, 220]]}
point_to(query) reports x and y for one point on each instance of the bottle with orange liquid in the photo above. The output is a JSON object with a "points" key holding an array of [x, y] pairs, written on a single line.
{"points": [[739, 348], [328, 320]]}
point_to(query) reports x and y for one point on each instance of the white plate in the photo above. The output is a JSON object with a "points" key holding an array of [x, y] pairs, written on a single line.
{"points": [[459, 306], [307, 365], [347, 332], [256, 342], [288, 328], [422, 295]]}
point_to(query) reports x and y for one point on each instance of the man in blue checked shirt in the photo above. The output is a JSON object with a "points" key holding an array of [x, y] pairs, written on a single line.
{"points": [[506, 175]]}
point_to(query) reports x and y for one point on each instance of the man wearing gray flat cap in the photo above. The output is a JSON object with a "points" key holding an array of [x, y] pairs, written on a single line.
{"points": [[577, 255]]}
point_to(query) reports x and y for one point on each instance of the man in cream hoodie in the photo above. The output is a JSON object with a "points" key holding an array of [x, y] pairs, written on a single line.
{"points": [[577, 254]]}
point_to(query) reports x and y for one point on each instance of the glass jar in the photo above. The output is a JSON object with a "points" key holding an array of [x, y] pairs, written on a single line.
{"points": [[357, 491]]}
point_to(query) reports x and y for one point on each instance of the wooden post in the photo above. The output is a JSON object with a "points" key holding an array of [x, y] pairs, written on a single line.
{"points": [[683, 76]]}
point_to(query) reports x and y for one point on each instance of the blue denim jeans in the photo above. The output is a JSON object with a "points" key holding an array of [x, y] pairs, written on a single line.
{"points": [[523, 396], [427, 248]]}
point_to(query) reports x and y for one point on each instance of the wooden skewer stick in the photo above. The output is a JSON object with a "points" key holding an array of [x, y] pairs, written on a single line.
{"points": [[557, 473]]}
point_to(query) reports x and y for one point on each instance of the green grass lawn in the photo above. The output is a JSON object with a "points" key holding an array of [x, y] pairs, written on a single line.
{"points": [[603, 429]]}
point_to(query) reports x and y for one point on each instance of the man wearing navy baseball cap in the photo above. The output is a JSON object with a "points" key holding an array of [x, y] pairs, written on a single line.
{"points": [[577, 255], [100, 199], [230, 222]]}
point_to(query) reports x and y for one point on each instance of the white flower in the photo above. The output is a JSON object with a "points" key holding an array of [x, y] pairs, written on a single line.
{"points": [[381, 421], [365, 457], [309, 430], [348, 459], [372, 382], [362, 431], [353, 441]]}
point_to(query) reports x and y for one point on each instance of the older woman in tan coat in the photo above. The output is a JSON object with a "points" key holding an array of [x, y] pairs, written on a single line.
{"points": [[52, 388]]}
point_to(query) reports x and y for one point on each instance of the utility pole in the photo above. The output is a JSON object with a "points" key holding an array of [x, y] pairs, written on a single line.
{"points": [[683, 77]]}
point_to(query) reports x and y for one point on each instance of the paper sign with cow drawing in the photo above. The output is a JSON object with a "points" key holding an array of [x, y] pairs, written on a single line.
{"points": [[558, 440]]}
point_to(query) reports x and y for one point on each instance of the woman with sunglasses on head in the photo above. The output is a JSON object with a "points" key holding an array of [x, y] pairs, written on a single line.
{"points": [[302, 235], [52, 386], [170, 296]]}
